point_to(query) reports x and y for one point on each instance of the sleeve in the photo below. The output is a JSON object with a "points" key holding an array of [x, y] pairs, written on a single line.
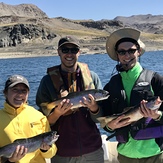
{"points": [[50, 153], [94, 116], [44, 90], [98, 85], [45, 93], [96, 80]]}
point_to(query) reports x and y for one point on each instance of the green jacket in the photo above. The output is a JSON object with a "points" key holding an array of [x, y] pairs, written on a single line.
{"points": [[116, 103]]}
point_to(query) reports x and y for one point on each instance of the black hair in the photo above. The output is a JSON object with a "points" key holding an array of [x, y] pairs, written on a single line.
{"points": [[126, 39]]}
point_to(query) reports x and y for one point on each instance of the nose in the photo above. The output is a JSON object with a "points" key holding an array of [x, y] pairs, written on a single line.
{"points": [[127, 54]]}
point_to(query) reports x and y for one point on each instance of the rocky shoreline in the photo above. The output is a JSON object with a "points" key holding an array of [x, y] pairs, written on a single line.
{"points": [[41, 52]]}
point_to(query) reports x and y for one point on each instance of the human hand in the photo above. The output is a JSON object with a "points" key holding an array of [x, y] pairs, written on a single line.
{"points": [[147, 112], [119, 122], [45, 147], [19, 153], [90, 103], [63, 107]]}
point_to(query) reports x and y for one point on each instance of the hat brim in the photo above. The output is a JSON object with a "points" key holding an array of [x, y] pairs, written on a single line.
{"points": [[119, 34], [15, 83], [69, 43]]}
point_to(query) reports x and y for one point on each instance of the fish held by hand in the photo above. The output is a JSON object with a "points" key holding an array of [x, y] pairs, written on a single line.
{"points": [[132, 113], [32, 143], [75, 98]]}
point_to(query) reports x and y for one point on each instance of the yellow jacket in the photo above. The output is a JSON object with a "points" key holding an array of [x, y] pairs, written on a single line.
{"points": [[24, 122]]}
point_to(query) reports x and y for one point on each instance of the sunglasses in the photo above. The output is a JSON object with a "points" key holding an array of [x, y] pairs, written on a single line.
{"points": [[129, 51], [70, 50]]}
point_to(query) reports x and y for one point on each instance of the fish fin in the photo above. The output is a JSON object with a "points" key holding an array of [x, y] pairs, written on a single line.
{"points": [[46, 107], [46, 111], [51, 105]]}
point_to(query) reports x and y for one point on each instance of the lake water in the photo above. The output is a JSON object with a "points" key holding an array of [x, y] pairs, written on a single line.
{"points": [[35, 68]]}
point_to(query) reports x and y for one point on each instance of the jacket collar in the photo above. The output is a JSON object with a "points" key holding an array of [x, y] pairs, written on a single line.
{"points": [[11, 110]]}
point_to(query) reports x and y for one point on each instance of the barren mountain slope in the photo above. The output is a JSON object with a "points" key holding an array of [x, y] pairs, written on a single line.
{"points": [[27, 30]]}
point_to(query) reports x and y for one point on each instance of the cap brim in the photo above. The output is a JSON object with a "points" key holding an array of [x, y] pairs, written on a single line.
{"points": [[69, 43], [15, 83]]}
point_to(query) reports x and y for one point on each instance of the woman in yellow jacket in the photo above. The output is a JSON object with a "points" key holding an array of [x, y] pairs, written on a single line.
{"points": [[19, 120]]}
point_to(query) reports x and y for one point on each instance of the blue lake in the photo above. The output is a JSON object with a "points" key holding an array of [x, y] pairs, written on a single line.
{"points": [[35, 68]]}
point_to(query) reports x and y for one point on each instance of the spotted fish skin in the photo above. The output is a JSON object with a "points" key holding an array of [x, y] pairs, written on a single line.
{"points": [[75, 98], [32, 143]]}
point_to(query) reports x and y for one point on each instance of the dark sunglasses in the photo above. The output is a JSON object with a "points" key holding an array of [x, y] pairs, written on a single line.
{"points": [[129, 51], [70, 50]]}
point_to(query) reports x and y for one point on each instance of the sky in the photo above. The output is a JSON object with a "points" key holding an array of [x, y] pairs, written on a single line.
{"points": [[94, 9]]}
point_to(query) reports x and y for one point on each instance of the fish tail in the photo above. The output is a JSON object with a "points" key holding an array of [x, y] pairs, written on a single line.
{"points": [[48, 105], [46, 108], [102, 121], [51, 105]]}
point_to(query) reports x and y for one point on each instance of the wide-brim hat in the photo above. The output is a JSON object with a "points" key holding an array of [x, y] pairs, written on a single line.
{"points": [[119, 34], [68, 40]]}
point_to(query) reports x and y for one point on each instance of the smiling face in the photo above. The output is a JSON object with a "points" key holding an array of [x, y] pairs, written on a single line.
{"points": [[128, 54], [69, 54], [17, 95]]}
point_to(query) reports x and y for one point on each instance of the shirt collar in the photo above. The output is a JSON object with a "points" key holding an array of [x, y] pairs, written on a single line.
{"points": [[11, 110]]}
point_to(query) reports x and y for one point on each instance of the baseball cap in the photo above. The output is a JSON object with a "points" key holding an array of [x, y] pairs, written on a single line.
{"points": [[68, 40], [14, 80]]}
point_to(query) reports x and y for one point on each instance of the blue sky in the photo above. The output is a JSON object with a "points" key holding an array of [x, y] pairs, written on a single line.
{"points": [[94, 9]]}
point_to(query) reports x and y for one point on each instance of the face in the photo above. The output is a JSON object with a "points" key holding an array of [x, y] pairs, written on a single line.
{"points": [[128, 54], [17, 95], [69, 54]]}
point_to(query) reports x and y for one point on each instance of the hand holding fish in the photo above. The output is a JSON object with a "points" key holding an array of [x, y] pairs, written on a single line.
{"points": [[134, 113], [75, 98], [146, 112], [119, 122], [61, 109], [89, 103], [45, 147], [19, 153]]}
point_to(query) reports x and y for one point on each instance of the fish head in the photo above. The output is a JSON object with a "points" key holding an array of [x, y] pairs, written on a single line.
{"points": [[154, 103], [100, 94], [50, 137]]}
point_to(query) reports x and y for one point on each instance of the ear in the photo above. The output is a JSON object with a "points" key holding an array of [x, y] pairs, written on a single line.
{"points": [[5, 93], [79, 52], [139, 52], [58, 52]]}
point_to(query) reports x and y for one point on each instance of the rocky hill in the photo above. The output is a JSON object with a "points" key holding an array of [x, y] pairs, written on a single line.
{"points": [[25, 30]]}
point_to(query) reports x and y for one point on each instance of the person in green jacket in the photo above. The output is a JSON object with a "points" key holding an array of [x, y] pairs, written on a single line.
{"points": [[19, 120], [133, 85]]}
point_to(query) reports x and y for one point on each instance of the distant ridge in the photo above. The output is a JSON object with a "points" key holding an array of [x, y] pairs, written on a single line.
{"points": [[22, 10], [26, 29]]}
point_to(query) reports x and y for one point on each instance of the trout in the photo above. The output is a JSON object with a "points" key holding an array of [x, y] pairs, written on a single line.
{"points": [[32, 143], [131, 112], [75, 98]]}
